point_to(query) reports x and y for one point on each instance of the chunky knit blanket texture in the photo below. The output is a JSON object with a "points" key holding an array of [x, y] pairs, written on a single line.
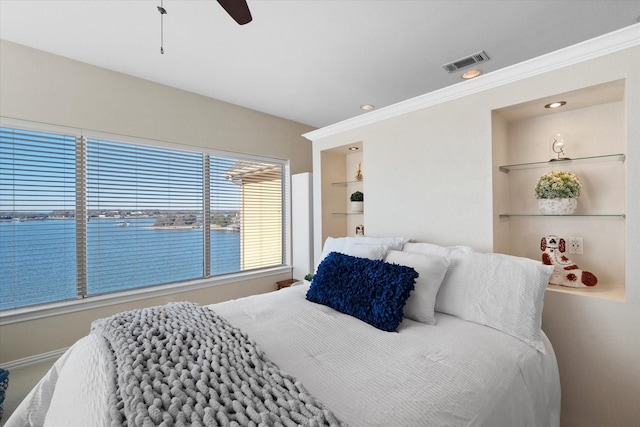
{"points": [[183, 365]]}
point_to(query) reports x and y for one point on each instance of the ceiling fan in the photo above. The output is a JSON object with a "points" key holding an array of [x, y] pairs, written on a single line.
{"points": [[237, 9]]}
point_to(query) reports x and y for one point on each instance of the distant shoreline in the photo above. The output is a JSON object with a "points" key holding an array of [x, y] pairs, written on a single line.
{"points": [[187, 227], [212, 227]]}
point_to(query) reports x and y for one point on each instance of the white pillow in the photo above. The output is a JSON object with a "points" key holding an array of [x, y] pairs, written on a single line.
{"points": [[433, 249], [394, 243], [375, 252], [451, 297], [339, 244], [501, 291], [431, 268], [508, 294], [332, 244]]}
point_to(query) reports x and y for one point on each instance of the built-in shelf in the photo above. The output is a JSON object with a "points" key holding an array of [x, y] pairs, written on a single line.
{"points": [[345, 183], [521, 141], [507, 215], [606, 157], [601, 290]]}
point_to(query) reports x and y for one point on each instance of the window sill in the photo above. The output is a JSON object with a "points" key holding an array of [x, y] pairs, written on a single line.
{"points": [[53, 309]]}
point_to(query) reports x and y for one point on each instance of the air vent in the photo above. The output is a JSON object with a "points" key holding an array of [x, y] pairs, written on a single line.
{"points": [[467, 61]]}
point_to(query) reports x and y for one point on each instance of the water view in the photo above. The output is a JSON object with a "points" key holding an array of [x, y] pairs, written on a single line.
{"points": [[38, 257]]}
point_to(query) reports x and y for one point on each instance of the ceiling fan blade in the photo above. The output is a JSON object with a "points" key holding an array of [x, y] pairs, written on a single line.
{"points": [[238, 10]]}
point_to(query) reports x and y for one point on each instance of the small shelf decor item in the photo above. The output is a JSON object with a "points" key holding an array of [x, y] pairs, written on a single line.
{"points": [[565, 272], [557, 146], [557, 193], [359, 176], [357, 201]]}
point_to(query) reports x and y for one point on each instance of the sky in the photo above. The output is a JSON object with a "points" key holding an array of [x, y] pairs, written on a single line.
{"points": [[37, 173]]}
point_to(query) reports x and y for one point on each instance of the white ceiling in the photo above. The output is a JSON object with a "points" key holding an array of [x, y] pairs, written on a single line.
{"points": [[311, 61]]}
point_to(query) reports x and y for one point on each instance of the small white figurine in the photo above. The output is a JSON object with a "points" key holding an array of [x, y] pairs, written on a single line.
{"points": [[359, 172]]}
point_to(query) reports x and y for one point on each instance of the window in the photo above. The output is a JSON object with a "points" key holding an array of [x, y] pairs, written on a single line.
{"points": [[260, 209], [144, 211], [37, 211], [82, 216]]}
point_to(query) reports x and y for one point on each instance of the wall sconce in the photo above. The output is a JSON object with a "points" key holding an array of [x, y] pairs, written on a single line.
{"points": [[557, 146]]}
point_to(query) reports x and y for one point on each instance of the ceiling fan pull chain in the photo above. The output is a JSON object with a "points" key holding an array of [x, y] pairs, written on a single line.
{"points": [[163, 12]]}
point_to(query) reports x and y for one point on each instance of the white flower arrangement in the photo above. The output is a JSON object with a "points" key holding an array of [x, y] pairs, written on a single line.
{"points": [[558, 185]]}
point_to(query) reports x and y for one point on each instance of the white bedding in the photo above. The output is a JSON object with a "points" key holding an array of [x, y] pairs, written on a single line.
{"points": [[454, 373]]}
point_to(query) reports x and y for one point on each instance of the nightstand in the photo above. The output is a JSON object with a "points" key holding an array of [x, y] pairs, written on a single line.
{"points": [[286, 283]]}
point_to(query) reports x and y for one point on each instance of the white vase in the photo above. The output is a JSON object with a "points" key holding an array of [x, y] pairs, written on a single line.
{"points": [[357, 206], [557, 206]]}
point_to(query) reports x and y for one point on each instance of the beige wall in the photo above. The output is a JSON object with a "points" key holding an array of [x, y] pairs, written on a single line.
{"points": [[46, 88], [40, 87], [429, 176], [32, 337]]}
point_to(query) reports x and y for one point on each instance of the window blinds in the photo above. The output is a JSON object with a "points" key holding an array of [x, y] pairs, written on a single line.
{"points": [[81, 217], [37, 209], [250, 195], [145, 213]]}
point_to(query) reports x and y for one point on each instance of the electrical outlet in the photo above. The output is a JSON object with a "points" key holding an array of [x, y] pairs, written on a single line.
{"points": [[576, 246]]}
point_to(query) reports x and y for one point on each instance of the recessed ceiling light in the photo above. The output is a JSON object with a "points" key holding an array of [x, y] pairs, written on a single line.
{"points": [[354, 148], [367, 107], [471, 74], [555, 104]]}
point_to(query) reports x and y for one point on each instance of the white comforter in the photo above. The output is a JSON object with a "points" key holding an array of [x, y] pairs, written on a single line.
{"points": [[454, 373]]}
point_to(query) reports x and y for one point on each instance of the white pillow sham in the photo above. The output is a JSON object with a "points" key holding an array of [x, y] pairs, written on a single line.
{"points": [[451, 297], [394, 243], [432, 269], [501, 291], [332, 244], [341, 244], [375, 252]]}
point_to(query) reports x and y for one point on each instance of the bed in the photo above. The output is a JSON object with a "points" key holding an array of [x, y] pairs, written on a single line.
{"points": [[467, 349]]}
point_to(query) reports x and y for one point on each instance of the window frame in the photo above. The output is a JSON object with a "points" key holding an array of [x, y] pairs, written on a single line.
{"points": [[31, 312]]}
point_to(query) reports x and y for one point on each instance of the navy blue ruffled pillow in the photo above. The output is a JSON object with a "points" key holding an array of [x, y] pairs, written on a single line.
{"points": [[374, 291]]}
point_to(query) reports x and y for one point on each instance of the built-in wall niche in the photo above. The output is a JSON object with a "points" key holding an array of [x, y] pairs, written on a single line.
{"points": [[593, 125], [339, 167]]}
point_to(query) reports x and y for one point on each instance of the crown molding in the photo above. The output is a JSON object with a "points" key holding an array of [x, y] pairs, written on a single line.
{"points": [[599, 46]]}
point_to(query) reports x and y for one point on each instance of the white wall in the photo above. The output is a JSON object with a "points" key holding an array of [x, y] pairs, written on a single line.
{"points": [[429, 177], [40, 87], [302, 224]]}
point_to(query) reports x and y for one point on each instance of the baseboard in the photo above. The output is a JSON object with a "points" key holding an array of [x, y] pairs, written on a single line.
{"points": [[31, 360]]}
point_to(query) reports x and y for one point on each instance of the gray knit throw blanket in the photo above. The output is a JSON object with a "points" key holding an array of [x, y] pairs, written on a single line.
{"points": [[181, 364]]}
